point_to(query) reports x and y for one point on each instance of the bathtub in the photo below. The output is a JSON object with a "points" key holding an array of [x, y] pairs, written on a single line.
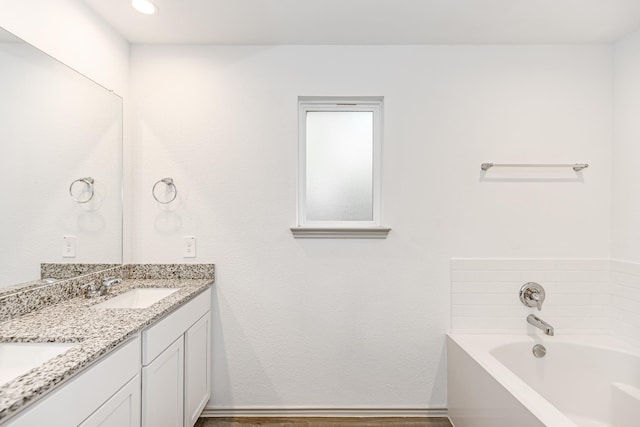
{"points": [[583, 381]]}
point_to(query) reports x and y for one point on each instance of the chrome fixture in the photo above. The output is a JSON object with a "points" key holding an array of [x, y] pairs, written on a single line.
{"points": [[98, 291], [76, 194], [534, 320], [532, 295], [539, 350], [576, 166], [170, 193]]}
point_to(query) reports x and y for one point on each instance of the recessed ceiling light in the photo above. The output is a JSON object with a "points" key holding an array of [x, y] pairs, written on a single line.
{"points": [[144, 6]]}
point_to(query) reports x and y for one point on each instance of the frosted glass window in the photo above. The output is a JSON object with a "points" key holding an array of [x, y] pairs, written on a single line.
{"points": [[339, 163]]}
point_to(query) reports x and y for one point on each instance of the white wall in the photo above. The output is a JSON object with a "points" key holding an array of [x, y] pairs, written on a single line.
{"points": [[625, 189], [361, 323], [70, 32]]}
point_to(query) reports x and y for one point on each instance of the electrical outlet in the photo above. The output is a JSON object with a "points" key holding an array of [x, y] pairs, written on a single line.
{"points": [[68, 246], [189, 247]]}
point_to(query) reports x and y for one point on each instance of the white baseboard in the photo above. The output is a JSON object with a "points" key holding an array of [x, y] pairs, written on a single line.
{"points": [[323, 412]]}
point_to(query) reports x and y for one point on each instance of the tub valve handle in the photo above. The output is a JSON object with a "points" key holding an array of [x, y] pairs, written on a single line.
{"points": [[532, 295]]}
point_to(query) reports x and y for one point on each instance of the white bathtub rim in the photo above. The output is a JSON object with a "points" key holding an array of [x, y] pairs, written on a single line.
{"points": [[479, 347]]}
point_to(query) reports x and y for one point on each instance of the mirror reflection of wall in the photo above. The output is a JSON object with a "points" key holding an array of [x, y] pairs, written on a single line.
{"points": [[56, 126]]}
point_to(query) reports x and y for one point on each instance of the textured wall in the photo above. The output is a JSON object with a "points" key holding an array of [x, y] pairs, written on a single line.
{"points": [[361, 323], [625, 194]]}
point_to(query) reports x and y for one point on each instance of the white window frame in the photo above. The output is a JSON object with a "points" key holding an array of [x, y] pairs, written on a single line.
{"points": [[338, 229]]}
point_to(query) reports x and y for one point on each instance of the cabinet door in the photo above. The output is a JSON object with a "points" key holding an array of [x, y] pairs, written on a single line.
{"points": [[122, 410], [197, 375], [162, 388]]}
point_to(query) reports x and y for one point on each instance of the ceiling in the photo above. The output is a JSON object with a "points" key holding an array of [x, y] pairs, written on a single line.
{"points": [[373, 21]]}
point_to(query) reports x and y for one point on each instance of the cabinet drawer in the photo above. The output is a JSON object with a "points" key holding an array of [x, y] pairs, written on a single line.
{"points": [[81, 396], [159, 336]]}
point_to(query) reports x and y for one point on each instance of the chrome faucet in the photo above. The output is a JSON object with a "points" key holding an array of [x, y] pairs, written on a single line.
{"points": [[532, 295], [97, 291], [534, 320]]}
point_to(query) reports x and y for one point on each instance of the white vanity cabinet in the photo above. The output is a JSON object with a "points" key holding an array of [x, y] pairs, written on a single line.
{"points": [[159, 378], [176, 356], [104, 395]]}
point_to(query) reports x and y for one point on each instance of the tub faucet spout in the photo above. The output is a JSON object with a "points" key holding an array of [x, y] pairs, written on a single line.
{"points": [[540, 324]]}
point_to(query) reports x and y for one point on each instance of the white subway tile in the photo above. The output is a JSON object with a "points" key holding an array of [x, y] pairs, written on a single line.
{"points": [[479, 287], [574, 311], [626, 304], [486, 276], [631, 318], [580, 276], [600, 288], [484, 323], [489, 311], [479, 264], [567, 299], [625, 267], [532, 264], [579, 323], [485, 299], [626, 292], [625, 279], [592, 331]]}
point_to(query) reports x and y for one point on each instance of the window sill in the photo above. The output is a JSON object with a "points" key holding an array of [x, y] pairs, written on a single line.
{"points": [[340, 232]]}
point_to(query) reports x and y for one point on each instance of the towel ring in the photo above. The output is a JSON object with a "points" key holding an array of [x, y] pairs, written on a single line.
{"points": [[88, 183], [170, 187]]}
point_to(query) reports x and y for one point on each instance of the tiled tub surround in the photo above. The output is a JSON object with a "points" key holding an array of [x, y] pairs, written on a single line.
{"points": [[73, 320], [625, 300], [582, 296], [484, 295]]}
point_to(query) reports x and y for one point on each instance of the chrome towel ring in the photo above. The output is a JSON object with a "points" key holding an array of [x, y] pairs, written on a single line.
{"points": [[170, 194], [77, 195]]}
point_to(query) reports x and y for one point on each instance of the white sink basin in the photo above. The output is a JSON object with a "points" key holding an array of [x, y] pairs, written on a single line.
{"points": [[137, 298], [19, 358]]}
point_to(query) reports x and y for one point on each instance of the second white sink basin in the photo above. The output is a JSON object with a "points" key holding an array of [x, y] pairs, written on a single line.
{"points": [[19, 358], [137, 298]]}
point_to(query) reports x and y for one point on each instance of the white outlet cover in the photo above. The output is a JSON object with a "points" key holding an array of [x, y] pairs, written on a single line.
{"points": [[189, 247], [69, 246]]}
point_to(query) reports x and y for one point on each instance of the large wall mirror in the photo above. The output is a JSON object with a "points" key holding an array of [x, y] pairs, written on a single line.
{"points": [[60, 168]]}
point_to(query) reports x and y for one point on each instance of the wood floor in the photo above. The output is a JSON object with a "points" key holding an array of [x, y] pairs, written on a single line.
{"points": [[323, 422]]}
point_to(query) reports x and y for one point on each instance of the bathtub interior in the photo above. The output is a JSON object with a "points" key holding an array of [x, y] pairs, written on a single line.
{"points": [[584, 382], [593, 384]]}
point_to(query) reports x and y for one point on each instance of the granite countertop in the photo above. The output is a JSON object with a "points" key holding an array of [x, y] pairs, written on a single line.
{"points": [[96, 331]]}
